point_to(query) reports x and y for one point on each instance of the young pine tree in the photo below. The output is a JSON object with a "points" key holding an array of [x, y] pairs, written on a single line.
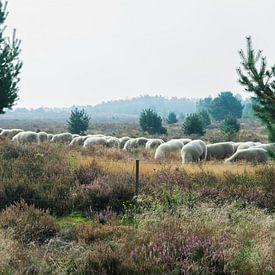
{"points": [[193, 125], [78, 122], [230, 125], [151, 122], [172, 118], [10, 65], [261, 82]]}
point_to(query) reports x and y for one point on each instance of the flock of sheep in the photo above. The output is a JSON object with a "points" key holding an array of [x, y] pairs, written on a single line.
{"points": [[191, 150]]}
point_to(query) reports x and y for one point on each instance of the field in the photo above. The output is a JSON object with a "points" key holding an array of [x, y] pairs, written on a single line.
{"points": [[69, 211]]}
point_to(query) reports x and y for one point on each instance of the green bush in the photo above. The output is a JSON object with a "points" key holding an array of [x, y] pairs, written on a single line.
{"points": [[193, 125], [230, 125]]}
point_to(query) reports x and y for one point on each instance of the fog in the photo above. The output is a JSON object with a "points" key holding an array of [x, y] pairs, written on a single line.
{"points": [[85, 52]]}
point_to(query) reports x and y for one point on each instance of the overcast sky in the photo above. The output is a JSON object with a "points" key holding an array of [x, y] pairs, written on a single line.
{"points": [[83, 52]]}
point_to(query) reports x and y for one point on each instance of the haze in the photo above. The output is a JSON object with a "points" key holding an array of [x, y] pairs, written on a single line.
{"points": [[85, 52]]}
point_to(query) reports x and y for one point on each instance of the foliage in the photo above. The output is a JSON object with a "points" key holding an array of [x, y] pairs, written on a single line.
{"points": [[205, 117], [193, 124], [10, 64], [78, 122], [230, 125], [204, 103], [225, 104], [172, 118], [151, 122], [261, 82], [28, 223]]}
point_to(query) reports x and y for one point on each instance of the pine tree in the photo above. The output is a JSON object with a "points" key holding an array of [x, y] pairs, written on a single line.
{"points": [[205, 117], [172, 118], [193, 125], [10, 65], [261, 82], [230, 125], [151, 122], [78, 122]]}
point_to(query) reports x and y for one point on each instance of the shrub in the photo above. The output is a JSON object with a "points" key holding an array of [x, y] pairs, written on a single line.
{"points": [[28, 223], [205, 117], [78, 122], [172, 118], [151, 122], [230, 125], [193, 125]]}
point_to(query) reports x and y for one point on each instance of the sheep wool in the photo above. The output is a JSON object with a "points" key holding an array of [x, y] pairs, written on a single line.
{"points": [[194, 151], [251, 154], [26, 137], [219, 150]]}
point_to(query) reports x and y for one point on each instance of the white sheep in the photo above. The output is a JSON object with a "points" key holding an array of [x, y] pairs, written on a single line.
{"points": [[10, 133], [251, 154], [219, 150], [194, 151], [42, 136], [62, 138], [113, 142], [26, 137], [78, 141], [75, 135], [153, 143], [267, 147], [171, 146], [49, 137], [93, 141], [122, 141], [247, 144], [135, 143]]}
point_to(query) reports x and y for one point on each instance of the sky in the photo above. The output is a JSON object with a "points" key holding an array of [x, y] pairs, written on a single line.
{"points": [[83, 52]]}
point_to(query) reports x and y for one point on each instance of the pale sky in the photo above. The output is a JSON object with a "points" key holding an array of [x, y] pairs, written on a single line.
{"points": [[83, 52]]}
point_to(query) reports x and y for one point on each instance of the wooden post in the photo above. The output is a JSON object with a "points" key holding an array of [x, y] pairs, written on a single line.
{"points": [[137, 177]]}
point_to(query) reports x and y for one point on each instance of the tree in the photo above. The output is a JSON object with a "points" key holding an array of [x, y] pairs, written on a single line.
{"points": [[230, 125], [205, 117], [261, 82], [193, 125], [225, 104], [151, 122], [172, 118], [78, 122], [10, 65], [204, 103]]}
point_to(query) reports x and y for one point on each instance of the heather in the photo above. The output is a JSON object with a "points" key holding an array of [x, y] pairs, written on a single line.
{"points": [[66, 211]]}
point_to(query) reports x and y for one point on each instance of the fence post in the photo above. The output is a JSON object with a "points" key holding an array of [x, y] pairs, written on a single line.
{"points": [[137, 177]]}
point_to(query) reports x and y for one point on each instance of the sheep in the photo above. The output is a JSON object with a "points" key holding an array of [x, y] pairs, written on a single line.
{"points": [[219, 150], [10, 133], [236, 145], [62, 138], [169, 147], [78, 141], [135, 142], [247, 144], [26, 137], [267, 147], [43, 137], [92, 141], [194, 151], [123, 140], [75, 135], [49, 137], [251, 154], [113, 142], [153, 143]]}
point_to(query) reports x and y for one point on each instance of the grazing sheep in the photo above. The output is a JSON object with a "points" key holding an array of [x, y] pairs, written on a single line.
{"points": [[49, 137], [267, 147], [92, 141], [26, 137], [247, 144], [113, 142], [251, 154], [219, 150], [135, 142], [194, 151], [236, 145], [153, 143], [10, 133], [75, 135], [43, 137], [78, 141], [169, 147], [62, 138], [122, 141]]}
